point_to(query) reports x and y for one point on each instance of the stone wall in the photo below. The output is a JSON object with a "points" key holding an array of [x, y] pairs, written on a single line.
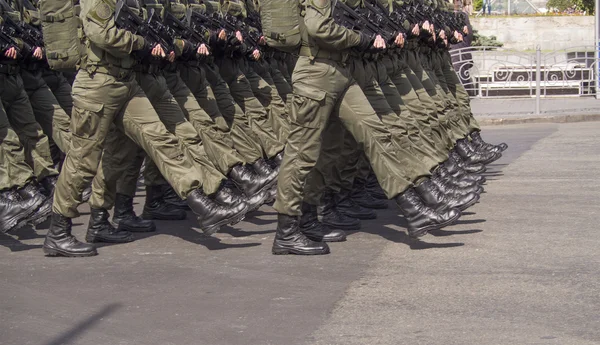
{"points": [[551, 33]]}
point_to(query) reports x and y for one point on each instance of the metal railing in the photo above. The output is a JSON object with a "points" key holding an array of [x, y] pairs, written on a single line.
{"points": [[498, 72]]}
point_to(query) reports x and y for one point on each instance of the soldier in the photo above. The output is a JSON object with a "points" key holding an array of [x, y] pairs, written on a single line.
{"points": [[105, 91], [19, 202], [324, 91]]}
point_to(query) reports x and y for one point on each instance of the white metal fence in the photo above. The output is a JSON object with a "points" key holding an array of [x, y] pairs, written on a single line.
{"points": [[498, 72]]}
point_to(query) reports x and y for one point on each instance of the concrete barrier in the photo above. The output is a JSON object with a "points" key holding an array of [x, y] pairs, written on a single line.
{"points": [[551, 32]]}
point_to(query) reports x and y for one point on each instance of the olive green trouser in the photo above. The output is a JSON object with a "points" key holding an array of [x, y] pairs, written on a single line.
{"points": [[14, 172], [280, 64], [461, 94], [264, 89], [217, 144], [406, 79], [256, 115], [22, 120], [239, 133], [99, 101], [285, 91], [278, 104], [60, 87], [408, 126], [324, 91], [457, 121], [48, 112], [417, 100]]}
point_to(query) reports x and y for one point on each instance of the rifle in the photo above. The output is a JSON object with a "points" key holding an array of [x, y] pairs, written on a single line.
{"points": [[379, 16], [347, 17], [196, 37], [152, 30]]}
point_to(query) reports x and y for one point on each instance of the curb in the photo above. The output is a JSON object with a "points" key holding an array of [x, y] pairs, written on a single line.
{"points": [[538, 119]]}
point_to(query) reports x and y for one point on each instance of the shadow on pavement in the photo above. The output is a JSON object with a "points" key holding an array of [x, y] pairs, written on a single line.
{"points": [[75, 331]]}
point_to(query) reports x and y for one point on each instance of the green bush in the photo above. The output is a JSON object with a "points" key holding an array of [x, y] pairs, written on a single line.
{"points": [[560, 5], [477, 5]]}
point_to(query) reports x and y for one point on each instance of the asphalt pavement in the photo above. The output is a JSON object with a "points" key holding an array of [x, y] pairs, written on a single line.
{"points": [[521, 267]]}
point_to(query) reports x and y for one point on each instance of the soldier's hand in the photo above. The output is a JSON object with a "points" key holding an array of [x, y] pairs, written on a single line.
{"points": [[171, 57], [157, 51], [239, 36], [458, 36], [399, 40], [203, 50], [256, 54], [38, 53], [262, 41], [416, 30], [379, 42], [443, 34], [222, 35], [466, 30], [11, 53]]}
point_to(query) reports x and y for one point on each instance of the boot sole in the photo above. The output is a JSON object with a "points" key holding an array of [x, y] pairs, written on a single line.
{"points": [[343, 227], [424, 230], [327, 240], [105, 240], [360, 217], [132, 229], [57, 252], [146, 216], [209, 231], [287, 251], [39, 219]]}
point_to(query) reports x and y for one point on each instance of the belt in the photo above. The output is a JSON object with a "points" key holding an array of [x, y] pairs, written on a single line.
{"points": [[117, 72], [148, 69], [9, 69], [322, 54]]}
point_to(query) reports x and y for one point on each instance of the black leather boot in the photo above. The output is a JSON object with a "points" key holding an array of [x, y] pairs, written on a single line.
{"points": [[60, 242], [100, 229], [212, 215], [171, 197], [362, 197], [249, 181], [420, 217], [461, 181], [49, 183], [433, 197], [448, 188], [125, 219], [333, 218], [290, 240], [32, 191], [346, 205], [231, 196], [315, 230], [455, 163], [477, 141], [15, 214], [472, 157], [264, 169], [157, 208]]}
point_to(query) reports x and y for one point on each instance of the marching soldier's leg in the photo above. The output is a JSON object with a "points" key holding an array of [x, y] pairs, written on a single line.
{"points": [[20, 202], [197, 82], [256, 114], [22, 120], [48, 112]]}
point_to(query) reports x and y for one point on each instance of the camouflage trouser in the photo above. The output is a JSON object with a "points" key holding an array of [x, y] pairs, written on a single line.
{"points": [[22, 120], [101, 101], [14, 172]]}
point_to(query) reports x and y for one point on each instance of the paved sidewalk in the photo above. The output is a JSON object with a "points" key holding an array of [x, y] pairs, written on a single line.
{"points": [[521, 267], [503, 111]]}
